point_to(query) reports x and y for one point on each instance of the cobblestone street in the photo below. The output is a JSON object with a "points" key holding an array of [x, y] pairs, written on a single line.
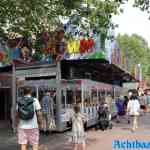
{"points": [[96, 140]]}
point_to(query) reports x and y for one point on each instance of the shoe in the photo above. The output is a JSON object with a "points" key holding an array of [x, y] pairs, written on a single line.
{"points": [[47, 133], [132, 130], [41, 132], [117, 121]]}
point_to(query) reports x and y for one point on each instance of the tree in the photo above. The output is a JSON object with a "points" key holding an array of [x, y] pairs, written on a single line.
{"points": [[30, 16], [138, 51], [142, 4]]}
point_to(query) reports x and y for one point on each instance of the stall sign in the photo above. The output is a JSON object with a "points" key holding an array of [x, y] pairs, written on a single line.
{"points": [[36, 72], [130, 85], [49, 83]]}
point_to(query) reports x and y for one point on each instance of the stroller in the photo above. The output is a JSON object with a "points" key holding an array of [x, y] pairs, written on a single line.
{"points": [[104, 118]]}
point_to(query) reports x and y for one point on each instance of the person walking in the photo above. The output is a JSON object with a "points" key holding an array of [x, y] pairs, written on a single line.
{"points": [[78, 129], [148, 100], [143, 102], [126, 101], [46, 112], [133, 109], [28, 115]]}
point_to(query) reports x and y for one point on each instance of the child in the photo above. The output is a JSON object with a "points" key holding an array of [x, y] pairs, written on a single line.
{"points": [[78, 129]]}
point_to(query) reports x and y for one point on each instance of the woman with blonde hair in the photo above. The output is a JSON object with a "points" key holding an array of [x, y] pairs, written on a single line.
{"points": [[78, 129]]}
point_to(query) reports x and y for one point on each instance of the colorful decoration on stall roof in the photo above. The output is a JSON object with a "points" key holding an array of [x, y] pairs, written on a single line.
{"points": [[97, 44], [2, 56], [51, 45], [90, 44], [73, 46], [47, 50], [115, 53], [38, 55], [15, 53], [86, 45], [60, 44], [97, 55], [25, 53], [45, 38], [13, 35], [83, 47]]}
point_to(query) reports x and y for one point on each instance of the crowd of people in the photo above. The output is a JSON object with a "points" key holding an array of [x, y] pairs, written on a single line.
{"points": [[132, 106], [30, 115]]}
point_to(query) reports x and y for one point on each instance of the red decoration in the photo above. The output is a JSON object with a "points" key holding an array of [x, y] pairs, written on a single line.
{"points": [[48, 50], [86, 45], [90, 43], [83, 46], [2, 56]]}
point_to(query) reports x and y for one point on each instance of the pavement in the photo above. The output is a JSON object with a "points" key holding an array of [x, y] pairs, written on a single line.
{"points": [[96, 140]]}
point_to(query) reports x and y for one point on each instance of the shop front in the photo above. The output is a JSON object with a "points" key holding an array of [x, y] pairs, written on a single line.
{"points": [[5, 97]]}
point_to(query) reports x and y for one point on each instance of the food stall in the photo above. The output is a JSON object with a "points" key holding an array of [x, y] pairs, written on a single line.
{"points": [[87, 93]]}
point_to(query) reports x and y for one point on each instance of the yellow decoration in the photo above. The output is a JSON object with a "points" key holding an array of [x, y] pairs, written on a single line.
{"points": [[73, 46]]}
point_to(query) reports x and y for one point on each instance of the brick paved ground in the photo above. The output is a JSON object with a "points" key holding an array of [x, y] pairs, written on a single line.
{"points": [[96, 140]]}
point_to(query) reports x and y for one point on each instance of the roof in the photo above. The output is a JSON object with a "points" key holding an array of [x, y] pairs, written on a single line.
{"points": [[97, 69]]}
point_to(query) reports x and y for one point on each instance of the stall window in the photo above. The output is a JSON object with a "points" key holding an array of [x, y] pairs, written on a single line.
{"points": [[94, 97], [70, 98], [41, 93], [78, 96], [20, 92], [87, 98], [63, 99]]}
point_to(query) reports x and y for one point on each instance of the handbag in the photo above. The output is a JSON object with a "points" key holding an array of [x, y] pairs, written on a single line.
{"points": [[52, 125]]}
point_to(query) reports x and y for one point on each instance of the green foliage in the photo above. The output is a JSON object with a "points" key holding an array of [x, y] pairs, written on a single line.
{"points": [[138, 51], [27, 16], [142, 4]]}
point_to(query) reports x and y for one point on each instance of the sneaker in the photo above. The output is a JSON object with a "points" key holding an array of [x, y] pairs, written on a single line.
{"points": [[41, 132], [47, 133]]}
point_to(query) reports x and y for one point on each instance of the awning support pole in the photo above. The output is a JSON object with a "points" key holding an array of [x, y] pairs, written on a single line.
{"points": [[13, 108]]}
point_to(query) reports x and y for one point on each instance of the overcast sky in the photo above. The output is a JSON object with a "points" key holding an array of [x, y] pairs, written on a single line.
{"points": [[132, 21]]}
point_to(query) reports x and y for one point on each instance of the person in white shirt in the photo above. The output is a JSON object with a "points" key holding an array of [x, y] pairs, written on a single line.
{"points": [[133, 108], [28, 129]]}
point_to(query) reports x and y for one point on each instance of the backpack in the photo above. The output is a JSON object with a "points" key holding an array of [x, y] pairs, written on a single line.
{"points": [[26, 108]]}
